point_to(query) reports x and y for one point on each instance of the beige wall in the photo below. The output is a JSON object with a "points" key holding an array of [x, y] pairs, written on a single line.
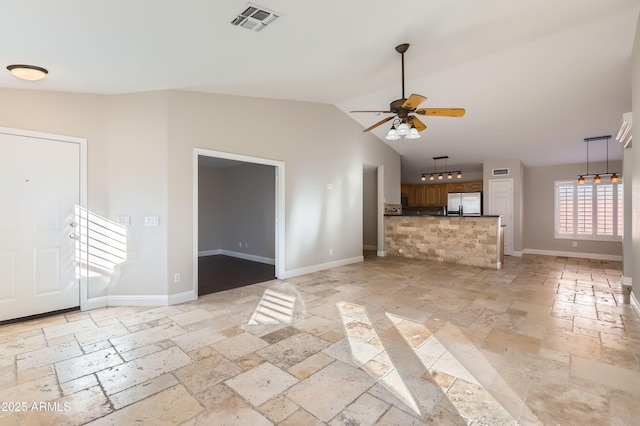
{"points": [[370, 207], [627, 241], [140, 162], [319, 146], [635, 102], [237, 205], [248, 210], [539, 205], [209, 208], [137, 187]]}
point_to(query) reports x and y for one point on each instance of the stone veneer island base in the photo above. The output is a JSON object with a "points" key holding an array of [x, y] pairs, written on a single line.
{"points": [[465, 240]]}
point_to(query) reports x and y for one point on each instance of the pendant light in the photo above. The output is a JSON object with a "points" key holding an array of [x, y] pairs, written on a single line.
{"points": [[440, 176], [597, 177]]}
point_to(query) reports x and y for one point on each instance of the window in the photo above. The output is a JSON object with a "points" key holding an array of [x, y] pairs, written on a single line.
{"points": [[589, 211]]}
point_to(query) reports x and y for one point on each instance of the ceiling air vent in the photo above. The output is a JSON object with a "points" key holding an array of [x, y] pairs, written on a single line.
{"points": [[624, 135], [255, 18], [500, 172]]}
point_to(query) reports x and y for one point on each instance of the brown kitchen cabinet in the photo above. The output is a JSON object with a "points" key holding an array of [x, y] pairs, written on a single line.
{"points": [[435, 194], [474, 187], [465, 187], [457, 187]]}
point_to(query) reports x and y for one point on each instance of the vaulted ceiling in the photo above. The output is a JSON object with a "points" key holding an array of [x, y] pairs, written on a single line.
{"points": [[536, 77]]}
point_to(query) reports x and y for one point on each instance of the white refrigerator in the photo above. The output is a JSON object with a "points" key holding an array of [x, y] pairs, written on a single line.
{"points": [[464, 204]]}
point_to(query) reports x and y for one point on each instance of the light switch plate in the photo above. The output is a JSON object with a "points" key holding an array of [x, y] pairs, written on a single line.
{"points": [[123, 220], [151, 221]]}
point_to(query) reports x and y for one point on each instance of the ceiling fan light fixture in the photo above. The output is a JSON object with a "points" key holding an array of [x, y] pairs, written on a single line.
{"points": [[28, 72], [403, 129], [392, 135], [403, 109], [413, 133]]}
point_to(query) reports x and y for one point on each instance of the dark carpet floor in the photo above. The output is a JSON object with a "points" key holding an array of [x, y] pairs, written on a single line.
{"points": [[217, 273]]}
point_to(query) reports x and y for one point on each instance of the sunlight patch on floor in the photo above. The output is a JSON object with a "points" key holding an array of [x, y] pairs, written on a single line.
{"points": [[369, 353], [438, 360], [280, 304]]}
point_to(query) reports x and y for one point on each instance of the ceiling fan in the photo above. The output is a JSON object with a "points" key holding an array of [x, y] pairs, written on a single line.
{"points": [[406, 123]]}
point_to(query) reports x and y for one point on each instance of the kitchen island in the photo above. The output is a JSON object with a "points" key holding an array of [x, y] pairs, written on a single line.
{"points": [[466, 240]]}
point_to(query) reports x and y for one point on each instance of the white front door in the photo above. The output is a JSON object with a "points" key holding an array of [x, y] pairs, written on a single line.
{"points": [[39, 189], [501, 203]]}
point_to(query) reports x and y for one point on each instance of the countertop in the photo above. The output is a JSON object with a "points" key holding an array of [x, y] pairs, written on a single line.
{"points": [[439, 215]]}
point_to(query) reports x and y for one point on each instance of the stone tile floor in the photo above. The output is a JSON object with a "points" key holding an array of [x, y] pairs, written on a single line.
{"points": [[546, 340]]}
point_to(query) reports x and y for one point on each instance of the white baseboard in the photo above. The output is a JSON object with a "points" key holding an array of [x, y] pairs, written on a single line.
{"points": [[210, 252], [369, 247], [381, 253], [595, 256], [185, 296], [95, 303], [134, 300], [515, 253], [634, 302], [245, 256], [321, 267], [626, 281]]}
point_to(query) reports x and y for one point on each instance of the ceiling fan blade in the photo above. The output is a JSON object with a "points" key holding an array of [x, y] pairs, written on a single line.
{"points": [[419, 125], [443, 112], [379, 112], [379, 123], [413, 101]]}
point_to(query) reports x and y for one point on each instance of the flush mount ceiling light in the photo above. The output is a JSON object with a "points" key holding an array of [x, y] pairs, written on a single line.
{"points": [[597, 177], [28, 72]]}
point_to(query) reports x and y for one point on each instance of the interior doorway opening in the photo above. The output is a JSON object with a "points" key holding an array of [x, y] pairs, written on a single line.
{"points": [[373, 234], [369, 211], [238, 221]]}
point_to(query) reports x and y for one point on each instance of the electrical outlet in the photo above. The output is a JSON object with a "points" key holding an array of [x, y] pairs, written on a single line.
{"points": [[176, 278], [330, 252]]}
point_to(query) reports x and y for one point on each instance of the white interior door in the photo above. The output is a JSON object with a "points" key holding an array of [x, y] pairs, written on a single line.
{"points": [[39, 188], [501, 203]]}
